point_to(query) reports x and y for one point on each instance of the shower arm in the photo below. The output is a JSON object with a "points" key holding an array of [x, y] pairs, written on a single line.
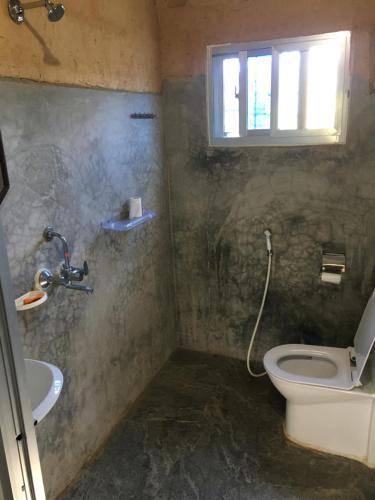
{"points": [[35, 5]]}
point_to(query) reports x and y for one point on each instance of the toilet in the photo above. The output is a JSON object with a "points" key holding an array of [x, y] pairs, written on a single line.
{"points": [[330, 392]]}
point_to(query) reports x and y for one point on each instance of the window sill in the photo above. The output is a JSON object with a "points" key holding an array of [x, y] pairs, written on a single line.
{"points": [[259, 141]]}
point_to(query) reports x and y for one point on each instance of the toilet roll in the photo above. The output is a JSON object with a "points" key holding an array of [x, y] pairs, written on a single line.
{"points": [[135, 208], [333, 278]]}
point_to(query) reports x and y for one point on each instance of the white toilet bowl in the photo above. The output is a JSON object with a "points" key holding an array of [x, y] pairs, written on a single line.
{"points": [[328, 408]]}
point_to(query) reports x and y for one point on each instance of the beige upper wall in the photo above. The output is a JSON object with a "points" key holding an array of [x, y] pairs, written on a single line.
{"points": [[111, 44], [188, 26], [115, 44]]}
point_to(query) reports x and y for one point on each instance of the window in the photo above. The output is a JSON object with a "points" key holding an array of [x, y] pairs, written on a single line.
{"points": [[282, 92]]}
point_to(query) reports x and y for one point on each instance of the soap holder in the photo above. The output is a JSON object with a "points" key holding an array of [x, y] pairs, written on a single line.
{"points": [[127, 224], [21, 306]]}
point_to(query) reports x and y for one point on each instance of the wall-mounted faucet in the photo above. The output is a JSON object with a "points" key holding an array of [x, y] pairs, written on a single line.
{"points": [[44, 279]]}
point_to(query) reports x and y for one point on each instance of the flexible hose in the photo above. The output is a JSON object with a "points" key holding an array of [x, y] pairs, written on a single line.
{"points": [[253, 374]]}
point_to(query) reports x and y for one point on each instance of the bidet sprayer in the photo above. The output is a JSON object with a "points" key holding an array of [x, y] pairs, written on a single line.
{"points": [[268, 236]]}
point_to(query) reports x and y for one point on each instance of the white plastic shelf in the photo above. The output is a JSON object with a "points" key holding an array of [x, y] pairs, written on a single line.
{"points": [[127, 224]]}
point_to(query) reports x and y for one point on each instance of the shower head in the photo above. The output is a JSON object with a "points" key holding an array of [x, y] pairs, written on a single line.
{"points": [[55, 11], [17, 10]]}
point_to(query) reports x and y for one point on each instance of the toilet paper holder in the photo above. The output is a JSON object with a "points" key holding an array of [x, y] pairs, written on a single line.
{"points": [[333, 263]]}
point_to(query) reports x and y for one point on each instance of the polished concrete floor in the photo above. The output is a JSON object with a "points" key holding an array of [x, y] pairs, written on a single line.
{"points": [[205, 430]]}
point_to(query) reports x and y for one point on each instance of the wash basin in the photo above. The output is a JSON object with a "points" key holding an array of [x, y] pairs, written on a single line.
{"points": [[44, 382]]}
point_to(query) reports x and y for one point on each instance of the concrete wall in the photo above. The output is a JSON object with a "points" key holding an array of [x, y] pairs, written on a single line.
{"points": [[222, 199], [97, 44], [74, 157]]}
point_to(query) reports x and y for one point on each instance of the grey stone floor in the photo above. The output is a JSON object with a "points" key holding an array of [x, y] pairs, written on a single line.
{"points": [[205, 430]]}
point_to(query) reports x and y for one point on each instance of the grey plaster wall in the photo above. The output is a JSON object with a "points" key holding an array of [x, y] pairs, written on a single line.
{"points": [[74, 157], [310, 197]]}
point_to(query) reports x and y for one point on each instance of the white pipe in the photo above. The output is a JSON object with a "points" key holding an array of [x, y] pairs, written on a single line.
{"points": [[269, 251]]}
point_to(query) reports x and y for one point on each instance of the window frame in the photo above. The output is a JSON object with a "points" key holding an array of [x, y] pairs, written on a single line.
{"points": [[273, 136]]}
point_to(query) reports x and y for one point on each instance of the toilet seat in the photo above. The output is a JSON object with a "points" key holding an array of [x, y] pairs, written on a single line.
{"points": [[312, 365], [326, 366]]}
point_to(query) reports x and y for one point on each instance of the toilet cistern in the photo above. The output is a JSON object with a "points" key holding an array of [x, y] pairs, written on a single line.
{"points": [[68, 274]]}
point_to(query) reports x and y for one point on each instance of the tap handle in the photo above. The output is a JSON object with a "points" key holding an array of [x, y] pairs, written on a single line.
{"points": [[85, 268]]}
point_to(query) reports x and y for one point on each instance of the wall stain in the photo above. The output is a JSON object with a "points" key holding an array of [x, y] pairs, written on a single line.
{"points": [[311, 199]]}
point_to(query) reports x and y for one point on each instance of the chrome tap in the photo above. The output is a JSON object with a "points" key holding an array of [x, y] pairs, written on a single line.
{"points": [[49, 233], [44, 279]]}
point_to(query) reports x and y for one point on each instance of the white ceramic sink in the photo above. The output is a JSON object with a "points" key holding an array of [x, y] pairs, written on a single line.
{"points": [[44, 382]]}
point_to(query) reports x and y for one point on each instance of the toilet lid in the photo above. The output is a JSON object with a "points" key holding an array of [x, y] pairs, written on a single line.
{"points": [[365, 337]]}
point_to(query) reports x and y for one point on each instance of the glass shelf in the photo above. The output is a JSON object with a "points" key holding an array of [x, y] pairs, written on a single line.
{"points": [[127, 224]]}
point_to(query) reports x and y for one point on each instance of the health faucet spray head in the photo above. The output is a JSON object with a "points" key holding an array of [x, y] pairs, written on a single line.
{"points": [[268, 236]]}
